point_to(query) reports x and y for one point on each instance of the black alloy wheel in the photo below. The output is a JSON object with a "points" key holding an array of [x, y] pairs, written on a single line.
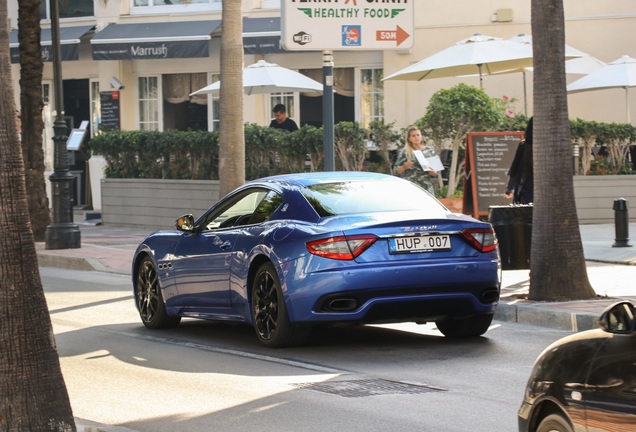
{"points": [[150, 305], [271, 322]]}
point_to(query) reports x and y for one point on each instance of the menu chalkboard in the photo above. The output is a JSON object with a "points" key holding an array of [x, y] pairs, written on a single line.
{"points": [[488, 159], [109, 105]]}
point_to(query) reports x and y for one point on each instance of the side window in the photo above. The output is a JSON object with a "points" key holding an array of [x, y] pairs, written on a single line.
{"points": [[237, 213], [287, 99], [266, 208], [148, 103], [68, 9], [371, 96]]}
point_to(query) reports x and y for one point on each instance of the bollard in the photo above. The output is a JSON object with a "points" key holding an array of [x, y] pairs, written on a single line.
{"points": [[621, 223]]}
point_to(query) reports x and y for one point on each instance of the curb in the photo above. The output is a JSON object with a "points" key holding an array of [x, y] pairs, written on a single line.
{"points": [[574, 316], [75, 263], [537, 315], [70, 263], [88, 426]]}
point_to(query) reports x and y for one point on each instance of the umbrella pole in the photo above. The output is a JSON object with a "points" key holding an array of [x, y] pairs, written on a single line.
{"points": [[525, 94], [629, 117], [481, 79]]}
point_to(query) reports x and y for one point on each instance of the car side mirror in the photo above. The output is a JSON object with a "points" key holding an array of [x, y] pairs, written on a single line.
{"points": [[185, 223], [618, 318]]}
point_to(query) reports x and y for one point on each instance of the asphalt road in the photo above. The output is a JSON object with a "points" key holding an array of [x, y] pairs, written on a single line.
{"points": [[204, 376]]}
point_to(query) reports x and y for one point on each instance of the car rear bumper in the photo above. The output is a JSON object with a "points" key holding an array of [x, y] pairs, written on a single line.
{"points": [[413, 291]]}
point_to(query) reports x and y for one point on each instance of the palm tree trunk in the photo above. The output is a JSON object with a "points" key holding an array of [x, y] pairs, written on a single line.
{"points": [[31, 114], [557, 264], [33, 395], [231, 135]]}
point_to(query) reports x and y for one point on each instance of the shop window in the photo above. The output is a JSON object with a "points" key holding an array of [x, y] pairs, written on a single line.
{"points": [[311, 104], [180, 110], [149, 103], [371, 96], [270, 4], [96, 108], [215, 109], [68, 9], [163, 6], [287, 99]]}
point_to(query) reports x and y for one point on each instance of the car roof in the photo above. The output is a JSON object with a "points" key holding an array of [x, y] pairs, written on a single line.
{"points": [[314, 178]]}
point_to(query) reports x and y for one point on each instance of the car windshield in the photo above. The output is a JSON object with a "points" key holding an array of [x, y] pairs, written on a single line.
{"points": [[331, 199]]}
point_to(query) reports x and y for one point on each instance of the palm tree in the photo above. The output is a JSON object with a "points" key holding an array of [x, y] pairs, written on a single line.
{"points": [[231, 135], [557, 263], [33, 395], [31, 114]]}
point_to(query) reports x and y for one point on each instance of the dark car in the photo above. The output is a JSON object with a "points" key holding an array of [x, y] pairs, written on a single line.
{"points": [[291, 252], [586, 381]]}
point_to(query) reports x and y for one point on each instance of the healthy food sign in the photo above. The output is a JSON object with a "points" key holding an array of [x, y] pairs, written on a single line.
{"points": [[318, 25]]}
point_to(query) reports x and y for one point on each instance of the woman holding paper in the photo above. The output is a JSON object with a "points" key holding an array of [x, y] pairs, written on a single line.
{"points": [[412, 163]]}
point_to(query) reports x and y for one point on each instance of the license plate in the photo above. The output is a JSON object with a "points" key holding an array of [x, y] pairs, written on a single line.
{"points": [[419, 244]]}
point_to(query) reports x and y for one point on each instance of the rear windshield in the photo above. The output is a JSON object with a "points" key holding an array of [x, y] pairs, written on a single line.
{"points": [[332, 199]]}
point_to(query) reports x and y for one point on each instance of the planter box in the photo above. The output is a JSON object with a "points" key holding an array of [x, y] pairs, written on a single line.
{"points": [[157, 203], [595, 195]]}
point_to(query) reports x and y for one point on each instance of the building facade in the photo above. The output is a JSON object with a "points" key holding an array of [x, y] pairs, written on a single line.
{"points": [[132, 64]]}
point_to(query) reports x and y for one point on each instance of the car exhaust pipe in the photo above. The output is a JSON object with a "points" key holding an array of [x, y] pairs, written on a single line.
{"points": [[490, 296], [343, 305]]}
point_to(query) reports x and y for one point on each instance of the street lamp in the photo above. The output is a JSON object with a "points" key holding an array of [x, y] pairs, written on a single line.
{"points": [[61, 233]]}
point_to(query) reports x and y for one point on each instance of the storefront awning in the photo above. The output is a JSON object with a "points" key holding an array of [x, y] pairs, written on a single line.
{"points": [[70, 38], [261, 35], [185, 39]]}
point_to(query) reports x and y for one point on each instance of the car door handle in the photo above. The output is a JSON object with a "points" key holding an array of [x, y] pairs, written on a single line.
{"points": [[221, 244]]}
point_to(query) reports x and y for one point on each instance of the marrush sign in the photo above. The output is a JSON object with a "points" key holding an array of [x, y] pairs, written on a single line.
{"points": [[142, 41], [314, 25], [139, 51]]}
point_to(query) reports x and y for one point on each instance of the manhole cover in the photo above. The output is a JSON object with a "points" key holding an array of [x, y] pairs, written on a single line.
{"points": [[370, 387]]}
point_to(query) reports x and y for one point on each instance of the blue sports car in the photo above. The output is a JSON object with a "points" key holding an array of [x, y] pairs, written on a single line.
{"points": [[292, 252]]}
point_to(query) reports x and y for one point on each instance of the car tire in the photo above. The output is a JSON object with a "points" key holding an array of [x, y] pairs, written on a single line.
{"points": [[465, 327], [150, 304], [554, 423], [269, 313]]}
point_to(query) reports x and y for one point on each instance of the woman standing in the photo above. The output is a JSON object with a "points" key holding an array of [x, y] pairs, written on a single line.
{"points": [[407, 166], [520, 185]]}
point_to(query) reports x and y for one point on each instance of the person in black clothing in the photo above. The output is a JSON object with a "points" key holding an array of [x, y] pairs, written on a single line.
{"points": [[520, 184], [281, 121]]}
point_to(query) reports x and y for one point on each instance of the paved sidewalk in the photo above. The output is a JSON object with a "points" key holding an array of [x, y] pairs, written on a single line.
{"points": [[611, 271]]}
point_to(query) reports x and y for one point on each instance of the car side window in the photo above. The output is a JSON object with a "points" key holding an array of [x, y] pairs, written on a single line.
{"points": [[267, 207], [236, 213]]}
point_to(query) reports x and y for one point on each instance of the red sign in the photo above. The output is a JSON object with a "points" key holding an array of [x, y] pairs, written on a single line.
{"points": [[399, 35]]}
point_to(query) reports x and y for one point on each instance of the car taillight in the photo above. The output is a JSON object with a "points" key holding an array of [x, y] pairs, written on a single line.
{"points": [[482, 239], [341, 247]]}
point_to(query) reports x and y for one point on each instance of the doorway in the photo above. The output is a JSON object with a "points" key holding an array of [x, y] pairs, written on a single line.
{"points": [[76, 110]]}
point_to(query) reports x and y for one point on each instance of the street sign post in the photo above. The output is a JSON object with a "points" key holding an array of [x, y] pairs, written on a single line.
{"points": [[343, 25], [346, 25]]}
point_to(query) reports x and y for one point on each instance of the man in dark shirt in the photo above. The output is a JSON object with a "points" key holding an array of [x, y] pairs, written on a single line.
{"points": [[281, 121]]}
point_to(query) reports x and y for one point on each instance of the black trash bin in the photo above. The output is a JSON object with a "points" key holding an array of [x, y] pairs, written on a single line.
{"points": [[513, 227]]}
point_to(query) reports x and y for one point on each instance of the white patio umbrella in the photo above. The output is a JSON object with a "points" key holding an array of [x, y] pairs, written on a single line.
{"points": [[262, 77], [576, 62], [620, 73], [478, 54]]}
